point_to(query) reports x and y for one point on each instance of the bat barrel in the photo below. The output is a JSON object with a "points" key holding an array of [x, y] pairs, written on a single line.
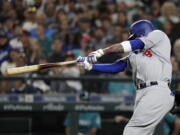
{"points": [[33, 68], [20, 70]]}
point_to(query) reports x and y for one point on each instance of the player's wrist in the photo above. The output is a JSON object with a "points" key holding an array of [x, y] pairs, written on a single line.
{"points": [[100, 53], [88, 66], [93, 57]]}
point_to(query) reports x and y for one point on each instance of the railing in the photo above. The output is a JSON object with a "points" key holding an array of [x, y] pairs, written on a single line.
{"points": [[82, 78]]}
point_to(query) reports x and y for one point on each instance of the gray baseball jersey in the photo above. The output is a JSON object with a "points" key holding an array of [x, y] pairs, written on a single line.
{"points": [[151, 103], [156, 66]]}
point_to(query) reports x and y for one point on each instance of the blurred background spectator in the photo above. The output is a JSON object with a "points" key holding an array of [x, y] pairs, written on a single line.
{"points": [[51, 29], [88, 122], [41, 31], [71, 71]]}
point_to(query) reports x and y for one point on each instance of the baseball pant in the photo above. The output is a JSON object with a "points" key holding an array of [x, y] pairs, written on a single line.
{"points": [[151, 105]]}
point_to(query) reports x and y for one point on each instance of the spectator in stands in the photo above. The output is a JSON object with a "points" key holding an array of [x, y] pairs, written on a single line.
{"points": [[106, 25], [94, 86], [43, 40], [6, 6], [25, 39], [122, 20], [61, 24], [84, 25], [176, 50], [84, 43], [21, 87], [71, 71], [155, 9], [21, 61], [99, 40], [117, 33], [122, 88], [88, 122], [16, 41], [10, 62], [169, 11], [57, 54], [42, 21], [41, 18], [9, 26], [168, 29], [5, 47], [125, 35], [171, 125], [176, 64], [19, 9], [30, 20], [175, 67], [72, 40], [13, 56], [34, 52], [44, 85], [50, 11]]}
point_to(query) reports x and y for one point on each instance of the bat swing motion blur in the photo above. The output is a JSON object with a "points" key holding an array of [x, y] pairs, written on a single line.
{"points": [[34, 68]]}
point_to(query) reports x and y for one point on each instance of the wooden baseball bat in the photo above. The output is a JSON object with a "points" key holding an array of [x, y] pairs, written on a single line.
{"points": [[33, 68]]}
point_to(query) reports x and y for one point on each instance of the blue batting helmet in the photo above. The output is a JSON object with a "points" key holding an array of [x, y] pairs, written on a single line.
{"points": [[140, 28]]}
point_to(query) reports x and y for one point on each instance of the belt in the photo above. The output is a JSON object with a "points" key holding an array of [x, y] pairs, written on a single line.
{"points": [[145, 85]]}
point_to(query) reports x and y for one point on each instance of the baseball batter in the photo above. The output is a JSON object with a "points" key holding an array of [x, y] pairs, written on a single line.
{"points": [[149, 56]]}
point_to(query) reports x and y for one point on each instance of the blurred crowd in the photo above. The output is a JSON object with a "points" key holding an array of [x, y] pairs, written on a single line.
{"points": [[41, 31]]}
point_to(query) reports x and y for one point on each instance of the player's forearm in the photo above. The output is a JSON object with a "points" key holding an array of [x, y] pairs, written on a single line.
{"points": [[116, 48], [126, 46]]}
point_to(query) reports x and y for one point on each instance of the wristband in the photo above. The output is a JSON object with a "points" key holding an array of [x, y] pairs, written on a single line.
{"points": [[126, 46]]}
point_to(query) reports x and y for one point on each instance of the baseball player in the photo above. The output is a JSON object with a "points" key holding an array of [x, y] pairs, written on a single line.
{"points": [[149, 56]]}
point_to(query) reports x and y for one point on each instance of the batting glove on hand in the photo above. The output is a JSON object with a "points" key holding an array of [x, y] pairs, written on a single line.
{"points": [[92, 57], [82, 61]]}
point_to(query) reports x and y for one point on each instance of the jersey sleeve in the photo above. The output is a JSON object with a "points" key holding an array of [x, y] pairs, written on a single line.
{"points": [[152, 39], [110, 68]]}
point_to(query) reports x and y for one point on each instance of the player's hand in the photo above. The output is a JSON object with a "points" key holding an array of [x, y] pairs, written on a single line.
{"points": [[82, 62], [92, 57]]}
